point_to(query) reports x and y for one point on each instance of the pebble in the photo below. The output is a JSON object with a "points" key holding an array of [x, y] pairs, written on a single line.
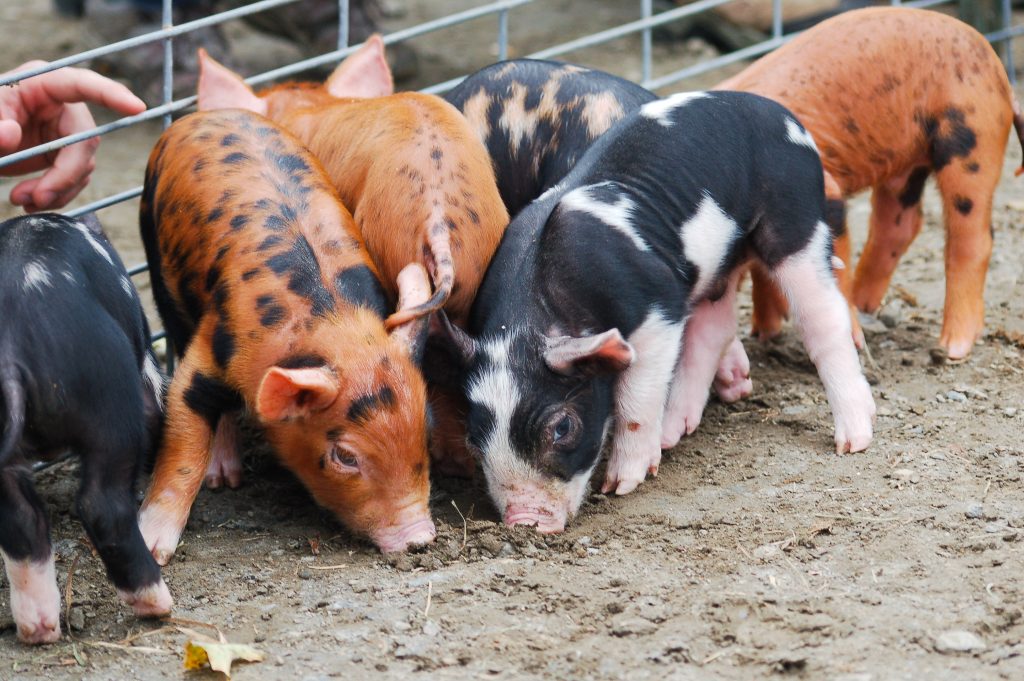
{"points": [[431, 628], [305, 573], [1010, 412], [491, 544], [938, 355], [891, 313], [956, 396], [906, 474], [993, 528], [632, 626], [76, 619], [958, 642], [975, 511]]}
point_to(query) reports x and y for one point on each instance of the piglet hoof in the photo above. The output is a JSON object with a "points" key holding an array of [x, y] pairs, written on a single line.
{"points": [[732, 380], [683, 422], [150, 601], [624, 476], [224, 470], [160, 534], [957, 348], [43, 629], [854, 422]]}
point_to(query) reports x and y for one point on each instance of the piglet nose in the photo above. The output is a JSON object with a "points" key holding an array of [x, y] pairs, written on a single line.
{"points": [[545, 521], [397, 539]]}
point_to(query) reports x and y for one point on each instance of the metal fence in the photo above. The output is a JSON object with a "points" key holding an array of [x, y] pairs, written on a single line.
{"points": [[503, 11]]}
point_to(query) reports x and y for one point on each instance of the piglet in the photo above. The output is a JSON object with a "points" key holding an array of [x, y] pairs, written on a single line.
{"points": [[893, 95], [76, 374], [578, 327], [264, 285]]}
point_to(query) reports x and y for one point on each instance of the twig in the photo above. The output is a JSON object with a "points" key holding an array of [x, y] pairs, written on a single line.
{"points": [[713, 657], [139, 649], [465, 533], [430, 591], [328, 567], [68, 593]]}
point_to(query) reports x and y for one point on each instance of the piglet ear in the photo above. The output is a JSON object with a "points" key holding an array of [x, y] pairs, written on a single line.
{"points": [[413, 290], [221, 88], [365, 73], [606, 352], [294, 393], [450, 352]]}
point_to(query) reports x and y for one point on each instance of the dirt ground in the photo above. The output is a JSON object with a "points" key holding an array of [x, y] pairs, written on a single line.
{"points": [[756, 553]]}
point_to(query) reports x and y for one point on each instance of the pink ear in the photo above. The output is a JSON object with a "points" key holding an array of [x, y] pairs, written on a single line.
{"points": [[221, 88], [293, 393], [605, 352], [365, 73]]}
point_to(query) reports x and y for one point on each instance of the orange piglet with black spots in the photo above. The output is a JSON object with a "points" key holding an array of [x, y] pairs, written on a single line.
{"points": [[268, 294], [892, 96]]}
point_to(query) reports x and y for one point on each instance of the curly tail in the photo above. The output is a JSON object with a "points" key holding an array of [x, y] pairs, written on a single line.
{"points": [[439, 250], [1018, 124], [14, 402]]}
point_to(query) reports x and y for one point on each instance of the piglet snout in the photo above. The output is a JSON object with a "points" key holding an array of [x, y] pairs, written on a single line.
{"points": [[544, 520], [396, 539]]}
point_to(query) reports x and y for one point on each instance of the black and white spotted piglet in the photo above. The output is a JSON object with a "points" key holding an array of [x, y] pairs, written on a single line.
{"points": [[76, 374], [578, 328]]}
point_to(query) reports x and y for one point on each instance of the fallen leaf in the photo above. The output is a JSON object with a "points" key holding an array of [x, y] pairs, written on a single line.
{"points": [[218, 656]]}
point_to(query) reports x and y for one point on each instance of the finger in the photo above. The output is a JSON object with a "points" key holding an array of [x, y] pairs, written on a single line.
{"points": [[82, 85], [72, 163], [58, 201], [10, 136]]}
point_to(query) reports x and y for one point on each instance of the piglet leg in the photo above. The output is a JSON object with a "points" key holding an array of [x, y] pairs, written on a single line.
{"points": [[821, 315], [35, 601], [25, 544], [705, 341], [226, 460], [639, 405], [184, 453]]}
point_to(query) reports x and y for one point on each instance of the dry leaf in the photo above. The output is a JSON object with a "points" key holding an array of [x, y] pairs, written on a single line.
{"points": [[218, 656]]}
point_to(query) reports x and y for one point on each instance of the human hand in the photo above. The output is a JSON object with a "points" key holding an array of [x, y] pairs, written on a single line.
{"points": [[47, 107]]}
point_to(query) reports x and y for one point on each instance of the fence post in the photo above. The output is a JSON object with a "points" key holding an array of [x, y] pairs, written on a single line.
{"points": [[986, 16]]}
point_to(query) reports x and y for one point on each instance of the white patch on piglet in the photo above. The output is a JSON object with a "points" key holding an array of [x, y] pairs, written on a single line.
{"points": [[617, 215], [661, 110], [154, 379], [36, 277], [91, 238], [35, 600], [706, 239], [796, 134], [821, 315]]}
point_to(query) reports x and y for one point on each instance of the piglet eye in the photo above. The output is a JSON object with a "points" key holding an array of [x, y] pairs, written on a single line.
{"points": [[344, 458], [563, 428]]}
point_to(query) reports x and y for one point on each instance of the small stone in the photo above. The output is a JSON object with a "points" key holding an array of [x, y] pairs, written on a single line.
{"points": [[633, 626], [958, 642], [956, 396], [974, 511], [794, 410], [431, 628], [871, 323], [614, 608], [907, 475], [583, 541], [993, 528], [767, 552], [507, 550], [891, 313], [1010, 412], [305, 573], [938, 356], [491, 544], [76, 619]]}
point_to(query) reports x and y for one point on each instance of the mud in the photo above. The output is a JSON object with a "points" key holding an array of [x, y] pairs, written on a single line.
{"points": [[756, 553]]}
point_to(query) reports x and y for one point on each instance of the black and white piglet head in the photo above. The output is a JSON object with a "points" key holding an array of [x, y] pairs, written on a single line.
{"points": [[541, 405]]}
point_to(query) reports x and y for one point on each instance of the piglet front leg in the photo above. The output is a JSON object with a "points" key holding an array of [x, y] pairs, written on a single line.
{"points": [[639, 404]]}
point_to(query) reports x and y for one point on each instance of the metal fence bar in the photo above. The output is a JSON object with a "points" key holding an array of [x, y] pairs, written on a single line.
{"points": [[776, 19], [1011, 69], [503, 35], [145, 39], [623, 30], [646, 47], [105, 202], [757, 50], [168, 89], [342, 24]]}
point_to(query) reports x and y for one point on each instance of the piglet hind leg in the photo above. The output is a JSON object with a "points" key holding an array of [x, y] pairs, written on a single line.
{"points": [[25, 544], [184, 454], [706, 344], [821, 315], [639, 405], [225, 467], [106, 506]]}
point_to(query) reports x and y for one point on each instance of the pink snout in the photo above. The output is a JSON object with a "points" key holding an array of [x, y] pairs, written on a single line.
{"points": [[397, 539], [546, 521]]}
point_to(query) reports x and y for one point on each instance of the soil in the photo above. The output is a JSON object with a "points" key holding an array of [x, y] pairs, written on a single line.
{"points": [[757, 552]]}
